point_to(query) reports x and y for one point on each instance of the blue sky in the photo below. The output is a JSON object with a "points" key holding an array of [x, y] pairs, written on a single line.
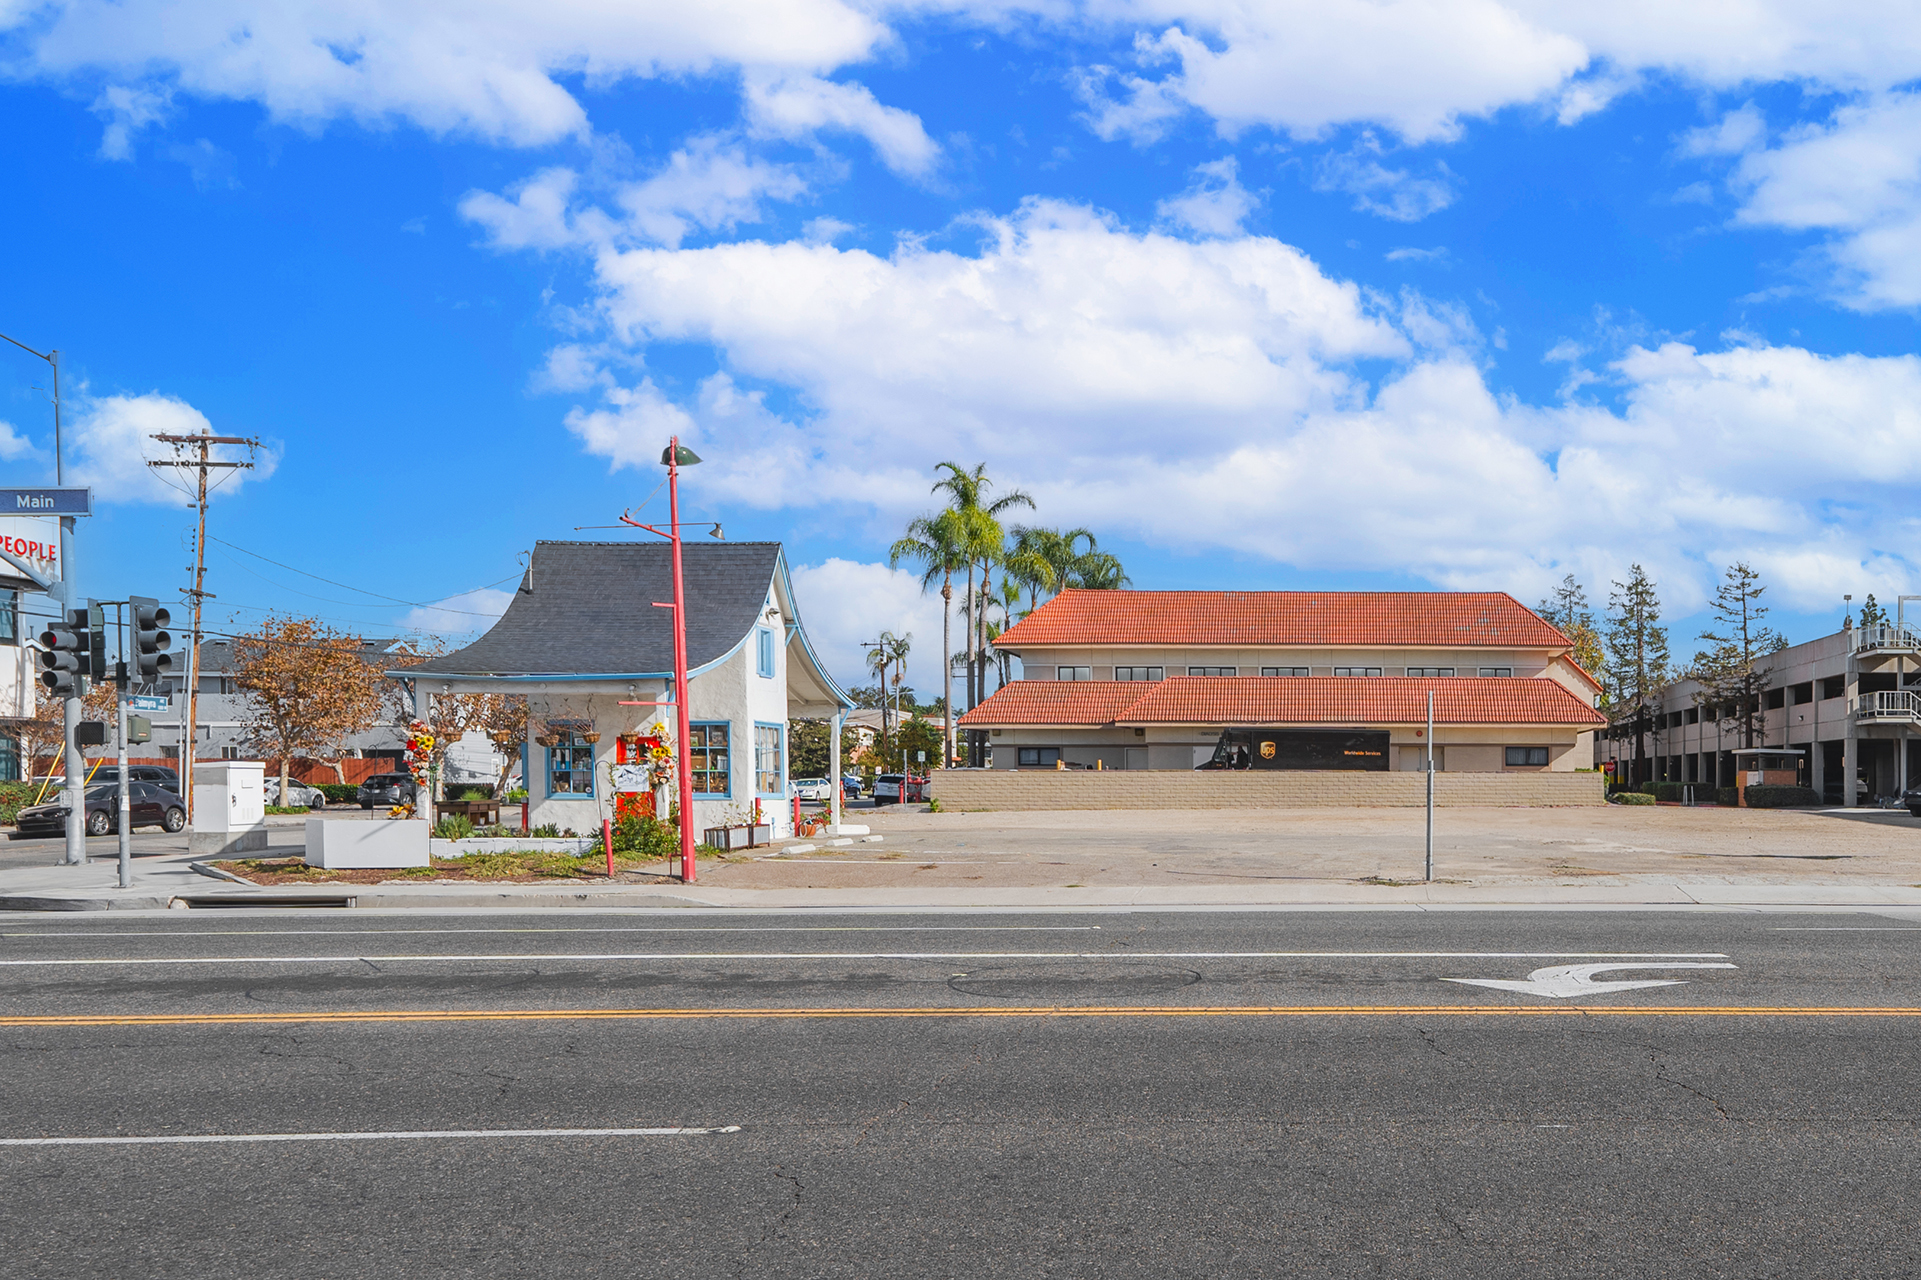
{"points": [[1452, 293]]}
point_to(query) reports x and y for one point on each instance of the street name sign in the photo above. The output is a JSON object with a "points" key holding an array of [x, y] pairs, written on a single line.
{"points": [[147, 702], [46, 502]]}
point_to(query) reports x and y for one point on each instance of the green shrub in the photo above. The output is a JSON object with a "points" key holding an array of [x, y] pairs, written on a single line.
{"points": [[455, 826], [1672, 791], [1647, 788], [1779, 797], [647, 837], [286, 808], [546, 831], [15, 796], [471, 794], [1726, 796], [338, 792], [517, 796], [1630, 797]]}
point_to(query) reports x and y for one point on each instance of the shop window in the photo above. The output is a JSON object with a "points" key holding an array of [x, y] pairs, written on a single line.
{"points": [[707, 751], [1501, 673], [1073, 673], [767, 770], [9, 619], [1357, 671], [1213, 671], [1426, 672], [1139, 673], [9, 760], [1284, 671], [764, 653], [570, 766], [1526, 757], [1834, 686], [1037, 757]]}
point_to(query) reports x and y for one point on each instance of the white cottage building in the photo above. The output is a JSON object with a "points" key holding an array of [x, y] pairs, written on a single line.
{"points": [[585, 641]]}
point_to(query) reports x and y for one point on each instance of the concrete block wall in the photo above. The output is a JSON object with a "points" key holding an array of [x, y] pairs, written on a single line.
{"points": [[962, 789]]}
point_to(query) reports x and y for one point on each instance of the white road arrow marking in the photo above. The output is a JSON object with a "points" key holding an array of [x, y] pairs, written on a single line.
{"points": [[1563, 980]]}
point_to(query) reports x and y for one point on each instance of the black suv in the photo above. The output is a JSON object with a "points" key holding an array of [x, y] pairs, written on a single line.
{"points": [[386, 789], [156, 774]]}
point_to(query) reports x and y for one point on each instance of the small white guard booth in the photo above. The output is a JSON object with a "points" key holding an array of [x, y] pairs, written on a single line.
{"points": [[229, 808], [336, 843]]}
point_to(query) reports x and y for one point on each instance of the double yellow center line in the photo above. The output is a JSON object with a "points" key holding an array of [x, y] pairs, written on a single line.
{"points": [[998, 1011]]}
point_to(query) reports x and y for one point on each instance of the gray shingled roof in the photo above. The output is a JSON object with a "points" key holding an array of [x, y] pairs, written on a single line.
{"points": [[587, 608]]}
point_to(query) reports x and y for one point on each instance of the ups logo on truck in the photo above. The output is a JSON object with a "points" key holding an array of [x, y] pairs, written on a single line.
{"points": [[1267, 751]]}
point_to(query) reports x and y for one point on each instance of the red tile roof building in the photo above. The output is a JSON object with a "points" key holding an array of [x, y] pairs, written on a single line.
{"points": [[1150, 679]]}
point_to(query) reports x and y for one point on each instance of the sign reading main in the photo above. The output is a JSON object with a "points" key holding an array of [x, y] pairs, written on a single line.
{"points": [[46, 502]]}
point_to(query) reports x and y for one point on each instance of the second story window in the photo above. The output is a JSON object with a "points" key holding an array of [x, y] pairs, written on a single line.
{"points": [[1139, 673], [1357, 671], [1073, 673], [1430, 671], [9, 618], [764, 653], [1213, 671], [1284, 671], [1503, 672]]}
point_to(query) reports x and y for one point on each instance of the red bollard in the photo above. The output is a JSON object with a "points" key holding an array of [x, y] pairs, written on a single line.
{"points": [[607, 838]]}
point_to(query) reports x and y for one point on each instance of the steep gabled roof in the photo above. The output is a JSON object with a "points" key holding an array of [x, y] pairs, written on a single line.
{"points": [[1373, 619], [1271, 700], [587, 608]]}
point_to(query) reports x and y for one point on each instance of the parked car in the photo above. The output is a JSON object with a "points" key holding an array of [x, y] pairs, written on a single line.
{"points": [[1912, 799], [147, 806], [386, 789], [159, 775], [896, 788], [812, 790], [850, 786], [298, 793]]}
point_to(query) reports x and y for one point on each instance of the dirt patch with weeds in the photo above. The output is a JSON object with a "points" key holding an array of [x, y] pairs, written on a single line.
{"points": [[485, 868]]}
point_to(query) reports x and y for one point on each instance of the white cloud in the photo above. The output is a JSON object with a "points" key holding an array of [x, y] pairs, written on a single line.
{"points": [[467, 612], [1214, 204], [1389, 193], [708, 184], [1858, 177], [1437, 255], [536, 218], [845, 603], [796, 106], [1739, 130], [1076, 358], [111, 441], [15, 447], [128, 110], [488, 70]]}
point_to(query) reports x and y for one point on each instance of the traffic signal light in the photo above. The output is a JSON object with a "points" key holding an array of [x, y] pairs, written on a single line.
{"points": [[65, 651], [96, 642], [150, 638]]}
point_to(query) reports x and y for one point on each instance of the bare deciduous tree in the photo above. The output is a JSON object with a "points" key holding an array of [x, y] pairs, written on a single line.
{"points": [[311, 688]]}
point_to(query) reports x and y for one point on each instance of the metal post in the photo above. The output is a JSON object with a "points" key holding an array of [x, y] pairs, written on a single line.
{"points": [[1430, 786], [833, 765], [126, 796], [681, 692], [76, 777]]}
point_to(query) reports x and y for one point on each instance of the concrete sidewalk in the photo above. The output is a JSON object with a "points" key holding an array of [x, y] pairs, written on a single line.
{"points": [[164, 883]]}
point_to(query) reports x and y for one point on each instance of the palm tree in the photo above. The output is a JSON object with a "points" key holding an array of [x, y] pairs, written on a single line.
{"points": [[878, 662], [1099, 571], [981, 539], [897, 649], [1028, 563], [938, 543]]}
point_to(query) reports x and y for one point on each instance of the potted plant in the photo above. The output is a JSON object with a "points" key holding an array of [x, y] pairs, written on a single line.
{"points": [[741, 829], [590, 736]]}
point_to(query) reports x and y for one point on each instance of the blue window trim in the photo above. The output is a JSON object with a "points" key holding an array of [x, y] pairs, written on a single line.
{"points": [[593, 777], [733, 753], [764, 653], [753, 763]]}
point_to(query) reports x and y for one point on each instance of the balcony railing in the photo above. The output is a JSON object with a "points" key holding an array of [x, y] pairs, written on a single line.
{"points": [[1882, 638], [1889, 706]]}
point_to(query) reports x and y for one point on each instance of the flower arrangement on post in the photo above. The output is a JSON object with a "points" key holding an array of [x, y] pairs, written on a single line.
{"points": [[420, 754]]}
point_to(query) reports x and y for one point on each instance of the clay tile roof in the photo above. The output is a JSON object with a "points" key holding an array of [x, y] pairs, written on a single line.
{"points": [[1269, 700], [1343, 618], [1057, 702]]}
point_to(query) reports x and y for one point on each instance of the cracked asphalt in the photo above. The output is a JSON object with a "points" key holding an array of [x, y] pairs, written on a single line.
{"points": [[1076, 1094]]}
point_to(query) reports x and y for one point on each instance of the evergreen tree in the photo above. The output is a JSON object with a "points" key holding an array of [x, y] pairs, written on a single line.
{"points": [[1731, 671], [1567, 610], [1637, 668]]}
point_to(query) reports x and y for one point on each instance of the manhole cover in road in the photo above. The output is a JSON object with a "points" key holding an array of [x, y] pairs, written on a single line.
{"points": [[1070, 983]]}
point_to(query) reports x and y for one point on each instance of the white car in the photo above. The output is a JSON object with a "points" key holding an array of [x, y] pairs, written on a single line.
{"points": [[814, 790], [298, 793]]}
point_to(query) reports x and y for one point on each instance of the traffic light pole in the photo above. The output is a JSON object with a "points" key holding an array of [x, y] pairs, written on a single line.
{"points": [[120, 756]]}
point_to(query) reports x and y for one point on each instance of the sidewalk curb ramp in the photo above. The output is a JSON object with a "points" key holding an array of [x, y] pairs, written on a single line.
{"points": [[26, 902]]}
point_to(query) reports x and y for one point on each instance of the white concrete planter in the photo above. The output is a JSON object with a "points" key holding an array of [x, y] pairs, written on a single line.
{"points": [[339, 844], [512, 844]]}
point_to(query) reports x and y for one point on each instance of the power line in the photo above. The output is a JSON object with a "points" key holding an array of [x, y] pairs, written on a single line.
{"points": [[344, 586]]}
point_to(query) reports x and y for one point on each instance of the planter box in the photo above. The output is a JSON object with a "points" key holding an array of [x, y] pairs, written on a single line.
{"points": [[343, 843], [512, 844], [731, 838]]}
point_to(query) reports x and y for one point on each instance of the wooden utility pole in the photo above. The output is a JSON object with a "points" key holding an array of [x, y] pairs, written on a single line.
{"points": [[202, 463]]}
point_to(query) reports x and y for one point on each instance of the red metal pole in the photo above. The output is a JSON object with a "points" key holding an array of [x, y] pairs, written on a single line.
{"points": [[607, 839], [686, 758]]}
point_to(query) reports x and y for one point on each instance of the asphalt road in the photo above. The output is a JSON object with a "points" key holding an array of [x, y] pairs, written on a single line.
{"points": [[1111, 1095]]}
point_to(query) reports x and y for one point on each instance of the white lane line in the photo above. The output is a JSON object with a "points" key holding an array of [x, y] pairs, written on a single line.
{"points": [[1884, 928], [895, 955], [400, 1135], [346, 933]]}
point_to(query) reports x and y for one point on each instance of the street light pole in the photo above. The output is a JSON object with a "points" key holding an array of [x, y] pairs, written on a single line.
{"points": [[685, 756]]}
